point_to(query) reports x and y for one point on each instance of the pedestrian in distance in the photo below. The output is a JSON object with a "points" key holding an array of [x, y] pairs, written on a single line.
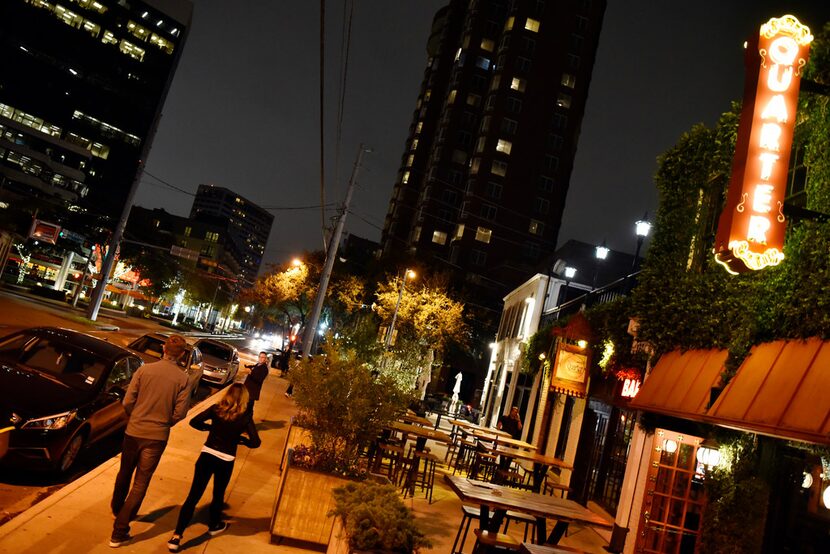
{"points": [[511, 423], [227, 422], [157, 397], [254, 380], [283, 363]]}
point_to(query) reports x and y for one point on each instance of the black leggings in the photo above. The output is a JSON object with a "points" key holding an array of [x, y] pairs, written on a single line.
{"points": [[207, 466]]}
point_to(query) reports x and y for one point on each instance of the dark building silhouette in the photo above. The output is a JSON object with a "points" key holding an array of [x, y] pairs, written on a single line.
{"points": [[246, 225], [82, 83], [488, 159]]}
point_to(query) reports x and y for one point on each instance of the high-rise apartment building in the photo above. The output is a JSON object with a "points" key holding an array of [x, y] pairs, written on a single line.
{"points": [[247, 227], [82, 83], [491, 146]]}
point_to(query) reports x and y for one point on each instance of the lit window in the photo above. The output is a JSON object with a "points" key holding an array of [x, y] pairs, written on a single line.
{"points": [[568, 80], [414, 144], [109, 38], [536, 227], [504, 146], [508, 25], [480, 144], [499, 168], [409, 160], [419, 126], [427, 95], [483, 235], [137, 30], [131, 50], [451, 96], [564, 100], [439, 237], [532, 25], [482, 62], [474, 165], [405, 178], [187, 231], [458, 54], [495, 82], [165, 45], [473, 100], [416, 234], [517, 84], [459, 231], [92, 28], [70, 18], [487, 44]]}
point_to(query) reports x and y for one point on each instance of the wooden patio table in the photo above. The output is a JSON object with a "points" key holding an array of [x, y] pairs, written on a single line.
{"points": [[500, 440], [416, 419], [500, 498], [541, 462]]}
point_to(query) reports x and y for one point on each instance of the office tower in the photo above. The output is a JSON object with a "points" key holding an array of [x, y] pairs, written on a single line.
{"points": [[488, 159], [82, 83], [247, 227]]}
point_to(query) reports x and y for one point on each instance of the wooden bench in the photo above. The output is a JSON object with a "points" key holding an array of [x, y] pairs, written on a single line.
{"points": [[550, 487]]}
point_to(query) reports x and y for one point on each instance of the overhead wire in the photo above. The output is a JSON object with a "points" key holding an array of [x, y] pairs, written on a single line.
{"points": [[345, 45]]}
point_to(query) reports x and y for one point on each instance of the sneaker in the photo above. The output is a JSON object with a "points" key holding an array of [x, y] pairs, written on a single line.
{"points": [[115, 542], [174, 543], [221, 528]]}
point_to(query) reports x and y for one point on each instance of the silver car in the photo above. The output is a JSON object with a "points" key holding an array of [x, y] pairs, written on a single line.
{"points": [[220, 361], [150, 346]]}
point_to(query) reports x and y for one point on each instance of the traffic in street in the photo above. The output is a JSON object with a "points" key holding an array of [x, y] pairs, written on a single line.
{"points": [[53, 370]]}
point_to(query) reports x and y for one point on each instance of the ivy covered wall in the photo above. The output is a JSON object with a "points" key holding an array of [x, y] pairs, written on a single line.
{"points": [[684, 298]]}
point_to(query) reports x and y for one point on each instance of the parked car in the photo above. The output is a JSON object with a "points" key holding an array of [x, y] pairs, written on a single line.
{"points": [[150, 348], [220, 361], [61, 390]]}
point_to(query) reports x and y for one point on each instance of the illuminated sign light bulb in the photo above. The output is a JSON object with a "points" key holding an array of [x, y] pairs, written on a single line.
{"points": [[825, 497], [670, 446], [752, 225], [807, 482]]}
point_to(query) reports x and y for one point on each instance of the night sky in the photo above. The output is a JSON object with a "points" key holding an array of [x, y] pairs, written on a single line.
{"points": [[243, 111]]}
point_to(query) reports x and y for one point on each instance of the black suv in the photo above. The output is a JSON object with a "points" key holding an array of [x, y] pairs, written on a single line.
{"points": [[61, 390]]}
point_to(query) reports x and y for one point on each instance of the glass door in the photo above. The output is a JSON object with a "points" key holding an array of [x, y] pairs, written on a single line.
{"points": [[673, 504]]}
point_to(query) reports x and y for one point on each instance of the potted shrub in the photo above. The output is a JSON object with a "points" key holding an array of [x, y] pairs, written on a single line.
{"points": [[373, 518], [343, 405]]}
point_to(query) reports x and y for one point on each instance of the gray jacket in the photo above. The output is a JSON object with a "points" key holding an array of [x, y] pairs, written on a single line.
{"points": [[158, 397]]}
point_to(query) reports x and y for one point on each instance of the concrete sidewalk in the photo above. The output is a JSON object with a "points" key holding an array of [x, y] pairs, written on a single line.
{"points": [[78, 519]]}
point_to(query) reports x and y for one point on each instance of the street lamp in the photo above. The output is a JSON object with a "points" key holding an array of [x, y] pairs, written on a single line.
{"points": [[641, 227], [407, 273], [570, 272], [600, 252]]}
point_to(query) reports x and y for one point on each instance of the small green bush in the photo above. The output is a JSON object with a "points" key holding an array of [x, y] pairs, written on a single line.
{"points": [[375, 518]]}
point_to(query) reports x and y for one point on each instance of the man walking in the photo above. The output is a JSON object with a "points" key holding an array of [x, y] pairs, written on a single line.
{"points": [[254, 380], [158, 397]]}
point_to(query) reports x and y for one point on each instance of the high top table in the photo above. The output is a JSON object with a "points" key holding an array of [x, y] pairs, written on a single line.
{"points": [[500, 499], [541, 462]]}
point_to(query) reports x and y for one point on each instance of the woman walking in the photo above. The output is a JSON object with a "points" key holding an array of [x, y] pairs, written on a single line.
{"points": [[225, 421]]}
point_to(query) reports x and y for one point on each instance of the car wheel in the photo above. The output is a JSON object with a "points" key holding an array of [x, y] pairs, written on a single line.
{"points": [[70, 453]]}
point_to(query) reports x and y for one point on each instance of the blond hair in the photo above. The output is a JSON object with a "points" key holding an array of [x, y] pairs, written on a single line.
{"points": [[233, 403]]}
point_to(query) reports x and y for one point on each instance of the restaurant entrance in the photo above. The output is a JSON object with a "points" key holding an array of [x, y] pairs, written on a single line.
{"points": [[674, 499]]}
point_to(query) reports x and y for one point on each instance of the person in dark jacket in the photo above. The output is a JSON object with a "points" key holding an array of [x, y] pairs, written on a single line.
{"points": [[254, 380], [225, 421]]}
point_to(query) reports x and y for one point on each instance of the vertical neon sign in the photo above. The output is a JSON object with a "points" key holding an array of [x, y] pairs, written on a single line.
{"points": [[751, 227]]}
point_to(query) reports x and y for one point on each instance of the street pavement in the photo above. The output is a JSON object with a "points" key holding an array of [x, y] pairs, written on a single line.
{"points": [[77, 517]]}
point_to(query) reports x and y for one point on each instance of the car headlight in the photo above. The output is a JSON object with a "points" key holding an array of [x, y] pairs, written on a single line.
{"points": [[52, 422]]}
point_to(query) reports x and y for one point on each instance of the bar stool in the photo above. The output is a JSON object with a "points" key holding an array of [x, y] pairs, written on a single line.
{"points": [[494, 542], [393, 455], [463, 455], [519, 517], [423, 478], [469, 514]]}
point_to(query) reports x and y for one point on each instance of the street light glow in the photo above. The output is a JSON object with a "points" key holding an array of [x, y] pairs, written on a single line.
{"points": [[642, 228], [602, 251], [296, 262], [570, 272]]}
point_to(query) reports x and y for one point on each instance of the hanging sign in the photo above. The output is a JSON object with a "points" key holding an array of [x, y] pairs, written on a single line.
{"points": [[751, 228], [570, 370]]}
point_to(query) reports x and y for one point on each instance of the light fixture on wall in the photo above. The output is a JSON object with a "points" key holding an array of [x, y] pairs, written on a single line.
{"points": [[708, 453], [670, 446]]}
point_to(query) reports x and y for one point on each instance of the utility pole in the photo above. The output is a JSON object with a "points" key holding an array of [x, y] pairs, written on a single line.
{"points": [[331, 255]]}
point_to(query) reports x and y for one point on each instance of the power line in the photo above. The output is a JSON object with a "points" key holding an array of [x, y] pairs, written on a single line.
{"points": [[172, 186]]}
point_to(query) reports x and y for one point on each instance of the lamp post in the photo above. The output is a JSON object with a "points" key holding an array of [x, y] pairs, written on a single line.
{"points": [[642, 228], [407, 273], [600, 252], [570, 272]]}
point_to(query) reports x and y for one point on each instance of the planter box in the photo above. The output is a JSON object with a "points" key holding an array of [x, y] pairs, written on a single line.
{"points": [[300, 513], [296, 435]]}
